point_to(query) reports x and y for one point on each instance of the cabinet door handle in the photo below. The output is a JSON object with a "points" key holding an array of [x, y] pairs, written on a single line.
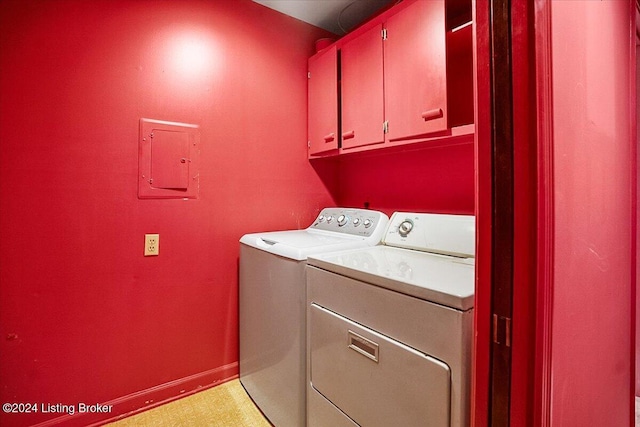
{"points": [[432, 114], [330, 137], [348, 135]]}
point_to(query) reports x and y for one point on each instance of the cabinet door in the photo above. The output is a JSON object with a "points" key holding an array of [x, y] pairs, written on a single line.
{"points": [[323, 102], [362, 90], [415, 71]]}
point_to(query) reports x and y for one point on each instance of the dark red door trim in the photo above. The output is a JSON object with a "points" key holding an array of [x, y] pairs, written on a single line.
{"points": [[502, 210]]}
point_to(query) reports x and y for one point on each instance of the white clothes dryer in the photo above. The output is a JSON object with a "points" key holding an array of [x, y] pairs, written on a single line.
{"points": [[272, 298], [390, 327]]}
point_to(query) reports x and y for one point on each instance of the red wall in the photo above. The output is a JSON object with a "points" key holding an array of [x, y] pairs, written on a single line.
{"points": [[432, 179], [591, 330], [637, 262], [84, 317]]}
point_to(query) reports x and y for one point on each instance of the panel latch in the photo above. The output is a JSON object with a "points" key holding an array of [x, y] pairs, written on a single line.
{"points": [[502, 330]]}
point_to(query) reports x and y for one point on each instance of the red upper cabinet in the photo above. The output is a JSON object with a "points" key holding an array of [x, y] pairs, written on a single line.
{"points": [[415, 75], [405, 77], [362, 94], [323, 102]]}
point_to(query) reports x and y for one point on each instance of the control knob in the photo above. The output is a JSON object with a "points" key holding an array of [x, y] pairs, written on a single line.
{"points": [[342, 220], [356, 222], [330, 218], [405, 227], [367, 223], [321, 218]]}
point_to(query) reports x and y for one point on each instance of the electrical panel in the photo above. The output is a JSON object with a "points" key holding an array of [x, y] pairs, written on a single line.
{"points": [[168, 160]]}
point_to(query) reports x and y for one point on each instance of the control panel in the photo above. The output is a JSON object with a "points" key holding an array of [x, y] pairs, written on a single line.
{"points": [[438, 233], [358, 222]]}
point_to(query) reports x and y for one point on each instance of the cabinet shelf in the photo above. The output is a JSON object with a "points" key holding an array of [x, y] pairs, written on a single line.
{"points": [[460, 75], [458, 13]]}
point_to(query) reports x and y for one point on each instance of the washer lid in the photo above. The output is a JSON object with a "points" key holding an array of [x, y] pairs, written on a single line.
{"points": [[334, 229], [442, 279], [298, 244]]}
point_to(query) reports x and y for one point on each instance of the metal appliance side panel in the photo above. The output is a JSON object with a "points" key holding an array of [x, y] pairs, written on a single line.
{"points": [[272, 342], [441, 332], [375, 380], [322, 413]]}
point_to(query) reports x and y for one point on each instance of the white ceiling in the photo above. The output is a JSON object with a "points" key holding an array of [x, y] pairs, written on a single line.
{"points": [[336, 16]]}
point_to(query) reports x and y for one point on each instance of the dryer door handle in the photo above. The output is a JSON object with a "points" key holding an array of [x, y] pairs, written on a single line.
{"points": [[362, 345]]}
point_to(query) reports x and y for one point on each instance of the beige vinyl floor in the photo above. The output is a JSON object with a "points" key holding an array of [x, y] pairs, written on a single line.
{"points": [[226, 405]]}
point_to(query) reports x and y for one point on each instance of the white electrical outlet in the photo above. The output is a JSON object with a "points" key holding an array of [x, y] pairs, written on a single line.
{"points": [[151, 244]]}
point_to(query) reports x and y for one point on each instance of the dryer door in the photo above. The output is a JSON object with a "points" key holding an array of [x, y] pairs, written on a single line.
{"points": [[373, 379]]}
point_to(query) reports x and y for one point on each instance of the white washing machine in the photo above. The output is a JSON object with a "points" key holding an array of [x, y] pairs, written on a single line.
{"points": [[272, 299], [390, 327]]}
